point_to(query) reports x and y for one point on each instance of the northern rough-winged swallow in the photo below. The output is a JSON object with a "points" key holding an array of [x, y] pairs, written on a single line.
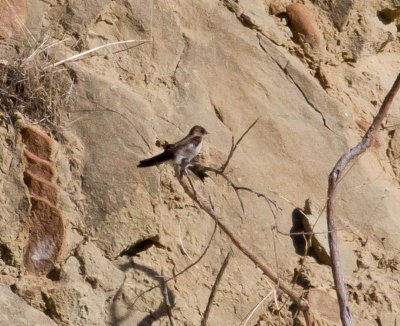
{"points": [[181, 152]]}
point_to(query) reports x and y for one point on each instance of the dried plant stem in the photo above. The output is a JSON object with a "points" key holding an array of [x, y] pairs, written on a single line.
{"points": [[300, 302], [80, 55], [188, 187], [169, 305], [235, 145], [214, 288], [174, 277], [334, 177], [251, 313]]}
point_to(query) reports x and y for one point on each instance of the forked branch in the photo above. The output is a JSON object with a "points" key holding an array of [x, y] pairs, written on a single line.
{"points": [[334, 177], [214, 289], [235, 145], [188, 187], [300, 302]]}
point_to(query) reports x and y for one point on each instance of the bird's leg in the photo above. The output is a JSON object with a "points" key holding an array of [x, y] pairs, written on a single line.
{"points": [[184, 167]]}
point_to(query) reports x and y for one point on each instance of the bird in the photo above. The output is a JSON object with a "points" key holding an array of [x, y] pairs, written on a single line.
{"points": [[180, 153]]}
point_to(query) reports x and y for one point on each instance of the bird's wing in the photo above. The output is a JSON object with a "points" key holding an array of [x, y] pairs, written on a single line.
{"points": [[194, 141]]}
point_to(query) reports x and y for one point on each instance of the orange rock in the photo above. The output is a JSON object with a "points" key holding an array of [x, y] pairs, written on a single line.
{"points": [[41, 188], [303, 25], [37, 142], [40, 168], [46, 233]]}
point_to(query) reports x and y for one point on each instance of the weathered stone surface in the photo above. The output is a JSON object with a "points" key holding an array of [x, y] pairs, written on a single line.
{"points": [[324, 307], [14, 311], [81, 13], [221, 65], [338, 11], [388, 319], [278, 7], [99, 270], [320, 244], [75, 304], [13, 18], [319, 241]]}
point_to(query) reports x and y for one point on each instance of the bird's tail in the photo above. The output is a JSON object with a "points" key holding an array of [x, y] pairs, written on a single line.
{"points": [[155, 160]]}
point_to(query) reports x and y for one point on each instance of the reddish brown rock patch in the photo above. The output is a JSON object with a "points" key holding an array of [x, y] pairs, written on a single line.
{"points": [[41, 188], [303, 25], [41, 168], [46, 233], [37, 142], [46, 229]]}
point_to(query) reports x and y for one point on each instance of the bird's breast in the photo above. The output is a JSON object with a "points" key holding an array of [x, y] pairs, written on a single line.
{"points": [[187, 152]]}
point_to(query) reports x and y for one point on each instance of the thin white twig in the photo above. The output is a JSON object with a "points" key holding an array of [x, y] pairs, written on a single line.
{"points": [[55, 43], [251, 313], [79, 55], [34, 52], [181, 242]]}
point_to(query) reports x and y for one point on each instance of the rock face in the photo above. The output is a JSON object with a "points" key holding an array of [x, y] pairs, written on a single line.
{"points": [[45, 227], [221, 65], [320, 245], [15, 311], [13, 18], [325, 307]]}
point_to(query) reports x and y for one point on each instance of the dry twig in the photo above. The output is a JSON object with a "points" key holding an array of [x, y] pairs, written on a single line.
{"points": [[182, 271], [300, 302], [250, 314], [168, 303], [82, 54], [235, 145], [268, 271], [26, 88], [334, 177], [214, 289]]}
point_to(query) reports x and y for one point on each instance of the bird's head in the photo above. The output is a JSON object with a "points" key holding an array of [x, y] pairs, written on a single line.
{"points": [[198, 131]]}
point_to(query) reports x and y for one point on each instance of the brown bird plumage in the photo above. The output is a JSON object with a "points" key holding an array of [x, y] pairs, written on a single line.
{"points": [[180, 152]]}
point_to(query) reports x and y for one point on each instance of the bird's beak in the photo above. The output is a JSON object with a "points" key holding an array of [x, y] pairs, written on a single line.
{"points": [[206, 133]]}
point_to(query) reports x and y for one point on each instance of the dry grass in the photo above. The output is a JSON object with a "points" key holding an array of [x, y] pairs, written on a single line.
{"points": [[26, 86]]}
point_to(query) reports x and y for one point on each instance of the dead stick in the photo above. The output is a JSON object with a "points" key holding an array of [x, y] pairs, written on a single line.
{"points": [[300, 302], [334, 177], [214, 288], [235, 145]]}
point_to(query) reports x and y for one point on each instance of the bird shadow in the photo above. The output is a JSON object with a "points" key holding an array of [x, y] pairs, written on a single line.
{"points": [[300, 240]]}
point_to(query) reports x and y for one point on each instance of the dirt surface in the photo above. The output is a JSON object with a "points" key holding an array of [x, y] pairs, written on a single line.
{"points": [[219, 64]]}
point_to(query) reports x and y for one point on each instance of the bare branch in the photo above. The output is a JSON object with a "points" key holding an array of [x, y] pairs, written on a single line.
{"points": [[181, 272], [237, 189], [214, 288], [235, 145], [334, 177], [167, 301], [300, 302]]}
